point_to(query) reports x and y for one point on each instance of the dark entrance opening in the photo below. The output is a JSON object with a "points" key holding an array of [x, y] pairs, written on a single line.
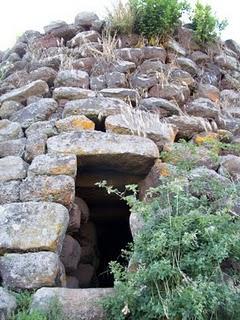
{"points": [[109, 217]]}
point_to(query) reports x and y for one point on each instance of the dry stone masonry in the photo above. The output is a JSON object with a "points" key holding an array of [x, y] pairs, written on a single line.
{"points": [[69, 119]]}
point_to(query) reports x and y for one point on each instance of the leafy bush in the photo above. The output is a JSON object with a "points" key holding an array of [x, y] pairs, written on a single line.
{"points": [[157, 18], [184, 263], [207, 27], [121, 18]]}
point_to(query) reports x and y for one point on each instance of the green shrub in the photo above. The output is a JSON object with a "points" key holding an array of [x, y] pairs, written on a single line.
{"points": [[206, 25], [23, 312], [157, 18], [184, 263], [121, 18]]}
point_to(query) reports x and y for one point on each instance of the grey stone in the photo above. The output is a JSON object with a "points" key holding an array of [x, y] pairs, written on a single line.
{"points": [[9, 191], [227, 62], [141, 124], [31, 270], [161, 106], [37, 87], [72, 78], [171, 91], [53, 164], [35, 146], [152, 52], [94, 108], [59, 189], [107, 150], [42, 128], [12, 147], [134, 55], [121, 93], [81, 304], [37, 111], [188, 65], [229, 167], [32, 226], [84, 38], [43, 73], [116, 80], [8, 108], [85, 18], [203, 107], [74, 123], [10, 130], [8, 304], [12, 168], [70, 93], [188, 126]]}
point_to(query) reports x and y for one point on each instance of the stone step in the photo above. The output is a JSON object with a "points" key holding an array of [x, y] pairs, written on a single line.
{"points": [[124, 153], [76, 304]]}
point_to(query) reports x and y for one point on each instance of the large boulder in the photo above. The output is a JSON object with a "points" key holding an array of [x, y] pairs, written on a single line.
{"points": [[107, 150], [31, 270], [12, 168], [8, 304], [50, 164], [203, 107], [35, 88], [78, 304], [10, 130], [32, 226], [36, 111], [42, 128], [59, 189]]}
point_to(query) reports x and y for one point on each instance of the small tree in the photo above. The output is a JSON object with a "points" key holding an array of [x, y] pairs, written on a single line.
{"points": [[206, 25], [158, 18]]}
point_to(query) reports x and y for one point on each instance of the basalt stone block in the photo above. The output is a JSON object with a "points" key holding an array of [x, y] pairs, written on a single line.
{"points": [[8, 304], [32, 226], [59, 189], [72, 93], [35, 88], [36, 111], [12, 147], [9, 191], [12, 168], [72, 78], [32, 270], [122, 153], [51, 164], [10, 130], [81, 304]]}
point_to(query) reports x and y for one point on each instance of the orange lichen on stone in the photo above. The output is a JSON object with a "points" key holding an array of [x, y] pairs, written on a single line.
{"points": [[208, 137], [85, 124]]}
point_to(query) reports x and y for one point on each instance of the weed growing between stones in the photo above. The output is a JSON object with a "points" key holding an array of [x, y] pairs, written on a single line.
{"points": [[184, 263], [24, 312]]}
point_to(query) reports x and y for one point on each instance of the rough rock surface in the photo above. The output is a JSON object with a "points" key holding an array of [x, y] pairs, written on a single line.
{"points": [[12, 168], [74, 123], [81, 304], [36, 111], [31, 270], [70, 255], [20, 221], [8, 304], [60, 188], [9, 191], [107, 150], [53, 164], [34, 88], [10, 130]]}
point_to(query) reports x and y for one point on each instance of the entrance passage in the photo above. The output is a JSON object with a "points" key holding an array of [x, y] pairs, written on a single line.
{"points": [[107, 233]]}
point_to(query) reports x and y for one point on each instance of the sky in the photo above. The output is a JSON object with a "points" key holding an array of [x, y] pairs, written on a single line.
{"points": [[17, 16]]}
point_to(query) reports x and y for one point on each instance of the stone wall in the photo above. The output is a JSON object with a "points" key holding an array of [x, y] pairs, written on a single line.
{"points": [[68, 107]]}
